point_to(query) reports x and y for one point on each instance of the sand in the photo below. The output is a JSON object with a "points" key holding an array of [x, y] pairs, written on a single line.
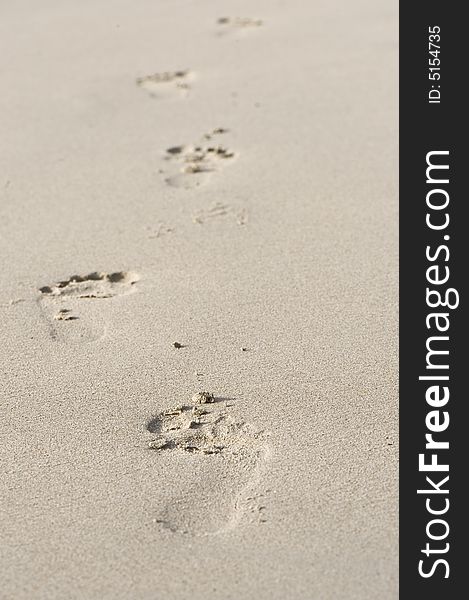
{"points": [[198, 197]]}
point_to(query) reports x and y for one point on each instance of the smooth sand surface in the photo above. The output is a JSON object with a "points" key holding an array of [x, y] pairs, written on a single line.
{"points": [[222, 175]]}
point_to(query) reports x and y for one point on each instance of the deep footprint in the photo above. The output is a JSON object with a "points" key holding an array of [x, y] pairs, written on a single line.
{"points": [[193, 165], [70, 307], [214, 462]]}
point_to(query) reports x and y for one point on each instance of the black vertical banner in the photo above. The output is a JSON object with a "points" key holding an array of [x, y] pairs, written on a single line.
{"points": [[434, 234]]}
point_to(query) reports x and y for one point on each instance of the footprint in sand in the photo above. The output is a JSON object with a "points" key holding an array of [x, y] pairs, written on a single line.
{"points": [[160, 230], [167, 85], [75, 309], [195, 164], [218, 210], [237, 25], [214, 462]]}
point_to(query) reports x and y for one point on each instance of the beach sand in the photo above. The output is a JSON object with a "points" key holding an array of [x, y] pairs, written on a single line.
{"points": [[221, 177]]}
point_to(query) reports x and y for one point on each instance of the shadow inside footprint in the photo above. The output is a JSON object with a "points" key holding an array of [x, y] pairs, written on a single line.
{"points": [[69, 308], [212, 462]]}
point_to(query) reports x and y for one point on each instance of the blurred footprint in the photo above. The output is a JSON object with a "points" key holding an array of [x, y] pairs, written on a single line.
{"points": [[168, 84], [196, 163], [236, 25], [219, 210]]}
